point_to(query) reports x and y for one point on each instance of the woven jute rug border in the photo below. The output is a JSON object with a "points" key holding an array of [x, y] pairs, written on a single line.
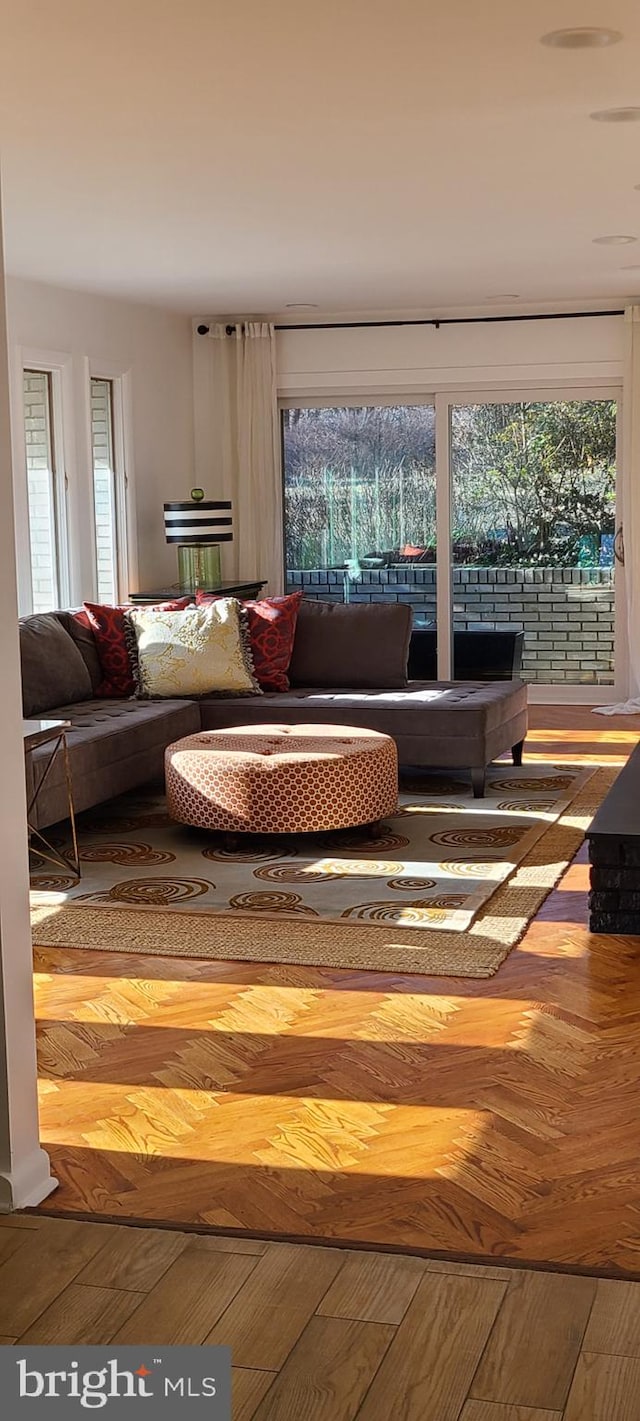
{"points": [[477, 952]]}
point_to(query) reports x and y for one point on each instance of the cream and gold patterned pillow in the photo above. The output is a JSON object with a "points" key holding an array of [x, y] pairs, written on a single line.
{"points": [[193, 652]]}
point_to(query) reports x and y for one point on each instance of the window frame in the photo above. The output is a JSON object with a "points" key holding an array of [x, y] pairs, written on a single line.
{"points": [[442, 399], [57, 367], [71, 375], [123, 491]]}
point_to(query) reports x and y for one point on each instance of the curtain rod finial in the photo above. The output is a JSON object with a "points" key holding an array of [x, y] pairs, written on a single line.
{"points": [[202, 330]]}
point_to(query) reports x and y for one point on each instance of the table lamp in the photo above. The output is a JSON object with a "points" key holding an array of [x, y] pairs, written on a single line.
{"points": [[197, 526]]}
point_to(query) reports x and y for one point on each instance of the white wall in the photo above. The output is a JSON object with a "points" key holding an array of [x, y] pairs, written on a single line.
{"points": [[97, 335]]}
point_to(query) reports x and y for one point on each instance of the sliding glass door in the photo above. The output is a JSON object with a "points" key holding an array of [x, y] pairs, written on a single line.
{"points": [[493, 514], [533, 520]]}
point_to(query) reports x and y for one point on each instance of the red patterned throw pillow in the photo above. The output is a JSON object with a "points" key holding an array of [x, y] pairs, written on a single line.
{"points": [[272, 628], [108, 627]]}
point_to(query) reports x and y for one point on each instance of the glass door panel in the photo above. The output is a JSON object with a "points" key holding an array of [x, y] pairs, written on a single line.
{"points": [[360, 507], [532, 532]]}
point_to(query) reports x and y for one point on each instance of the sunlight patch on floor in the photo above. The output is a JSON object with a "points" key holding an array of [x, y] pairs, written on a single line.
{"points": [[285, 1132]]}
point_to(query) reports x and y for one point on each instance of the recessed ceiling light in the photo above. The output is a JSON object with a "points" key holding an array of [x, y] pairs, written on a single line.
{"points": [[615, 241], [301, 306], [586, 37], [629, 114]]}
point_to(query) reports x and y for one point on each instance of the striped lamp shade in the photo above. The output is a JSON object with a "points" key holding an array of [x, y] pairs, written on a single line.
{"points": [[191, 523]]}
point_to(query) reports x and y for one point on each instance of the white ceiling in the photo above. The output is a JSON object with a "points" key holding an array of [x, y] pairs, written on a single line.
{"points": [[239, 155]]}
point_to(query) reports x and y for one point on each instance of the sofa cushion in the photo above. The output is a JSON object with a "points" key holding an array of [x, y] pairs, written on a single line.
{"points": [[53, 669], [272, 628], [193, 652], [109, 627], [78, 626], [351, 644]]}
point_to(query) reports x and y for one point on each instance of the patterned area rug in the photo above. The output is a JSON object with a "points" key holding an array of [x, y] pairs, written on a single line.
{"points": [[448, 888]]}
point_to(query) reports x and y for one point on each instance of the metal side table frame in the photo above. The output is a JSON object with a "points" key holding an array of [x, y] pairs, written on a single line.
{"points": [[53, 733]]}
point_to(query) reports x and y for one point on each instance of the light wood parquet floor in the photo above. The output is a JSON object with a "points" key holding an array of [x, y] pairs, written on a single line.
{"points": [[491, 1119], [328, 1334]]}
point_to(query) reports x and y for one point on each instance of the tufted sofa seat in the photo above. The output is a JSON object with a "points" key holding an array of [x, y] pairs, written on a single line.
{"points": [[113, 746]]}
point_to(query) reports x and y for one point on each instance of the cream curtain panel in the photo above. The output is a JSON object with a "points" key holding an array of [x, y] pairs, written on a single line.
{"points": [[629, 576], [245, 447]]}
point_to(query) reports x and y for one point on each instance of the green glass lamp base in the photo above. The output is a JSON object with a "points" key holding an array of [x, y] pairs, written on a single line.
{"points": [[199, 567]]}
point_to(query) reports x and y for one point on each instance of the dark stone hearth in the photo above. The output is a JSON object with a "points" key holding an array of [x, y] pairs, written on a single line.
{"points": [[619, 923], [605, 876], [614, 855], [614, 902], [616, 852]]}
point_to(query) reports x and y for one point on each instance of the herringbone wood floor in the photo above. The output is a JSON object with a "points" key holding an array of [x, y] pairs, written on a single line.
{"points": [[476, 1119], [329, 1334]]}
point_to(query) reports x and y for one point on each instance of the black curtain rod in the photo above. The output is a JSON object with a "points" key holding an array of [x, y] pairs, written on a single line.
{"points": [[431, 321]]}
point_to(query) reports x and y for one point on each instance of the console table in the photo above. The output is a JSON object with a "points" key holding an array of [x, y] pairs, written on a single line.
{"points": [[225, 589]]}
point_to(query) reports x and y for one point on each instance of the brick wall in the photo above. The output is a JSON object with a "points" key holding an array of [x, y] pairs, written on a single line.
{"points": [[567, 614]]}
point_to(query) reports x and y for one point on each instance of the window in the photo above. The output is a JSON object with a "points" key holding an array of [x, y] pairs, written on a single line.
{"points": [[533, 487], [104, 490], [522, 493], [75, 512], [359, 497], [46, 493]]}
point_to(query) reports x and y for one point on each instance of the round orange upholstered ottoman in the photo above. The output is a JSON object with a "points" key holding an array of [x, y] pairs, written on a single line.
{"points": [[282, 779]]}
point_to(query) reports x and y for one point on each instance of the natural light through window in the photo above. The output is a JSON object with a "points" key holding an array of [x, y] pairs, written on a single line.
{"points": [[104, 489], [43, 491]]}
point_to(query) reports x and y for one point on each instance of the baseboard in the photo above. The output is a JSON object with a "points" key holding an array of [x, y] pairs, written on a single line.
{"points": [[27, 1185]]}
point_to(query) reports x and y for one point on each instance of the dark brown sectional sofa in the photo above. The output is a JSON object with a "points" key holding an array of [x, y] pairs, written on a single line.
{"points": [[115, 745]]}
